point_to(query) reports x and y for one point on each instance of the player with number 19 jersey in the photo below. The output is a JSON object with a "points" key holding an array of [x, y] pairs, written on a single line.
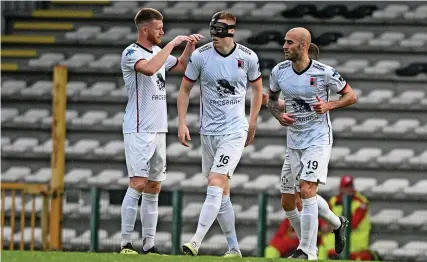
{"points": [[300, 91]]}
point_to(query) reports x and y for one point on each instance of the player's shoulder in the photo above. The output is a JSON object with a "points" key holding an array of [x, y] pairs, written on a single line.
{"points": [[245, 51], [322, 67], [204, 48], [282, 66]]}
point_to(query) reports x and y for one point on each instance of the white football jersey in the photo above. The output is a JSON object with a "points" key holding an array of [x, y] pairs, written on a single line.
{"points": [[223, 83], [146, 110], [299, 92]]}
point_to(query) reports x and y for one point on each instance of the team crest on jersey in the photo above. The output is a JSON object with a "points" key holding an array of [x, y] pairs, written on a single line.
{"points": [[240, 63], [313, 81], [300, 106], [161, 83], [224, 88]]}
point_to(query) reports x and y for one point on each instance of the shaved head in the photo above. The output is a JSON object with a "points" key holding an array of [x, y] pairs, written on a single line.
{"points": [[297, 43], [302, 34]]}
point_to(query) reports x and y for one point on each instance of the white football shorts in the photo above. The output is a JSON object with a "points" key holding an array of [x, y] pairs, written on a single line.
{"points": [[310, 164], [146, 155], [222, 153]]}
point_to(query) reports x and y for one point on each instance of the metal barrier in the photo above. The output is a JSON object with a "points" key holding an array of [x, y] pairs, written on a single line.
{"points": [[12, 191]]}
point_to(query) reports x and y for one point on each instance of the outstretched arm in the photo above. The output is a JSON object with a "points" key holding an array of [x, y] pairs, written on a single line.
{"points": [[189, 49]]}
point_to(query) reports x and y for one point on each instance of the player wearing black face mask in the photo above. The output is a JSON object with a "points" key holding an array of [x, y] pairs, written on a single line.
{"points": [[220, 29]]}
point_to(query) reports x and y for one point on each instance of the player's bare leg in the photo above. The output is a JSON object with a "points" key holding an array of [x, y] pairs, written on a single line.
{"points": [[226, 220], [208, 214], [129, 212], [149, 216]]}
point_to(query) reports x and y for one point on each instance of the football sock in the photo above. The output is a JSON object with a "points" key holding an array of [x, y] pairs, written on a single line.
{"points": [[326, 214], [129, 211], [208, 213], [309, 224], [226, 220], [295, 220], [149, 215]]}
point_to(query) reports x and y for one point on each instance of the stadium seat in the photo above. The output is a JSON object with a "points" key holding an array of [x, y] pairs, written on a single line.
{"points": [[158, 5], [15, 173], [412, 70], [173, 178], [387, 218], [75, 87], [395, 157], [269, 9], [196, 181], [32, 116], [391, 188], [172, 33], [419, 161], [248, 244], [361, 11], [192, 210], [114, 33], [242, 9], [208, 9], [28, 232], [176, 150], [262, 182], [180, 9], [331, 186], [70, 115], [21, 145], [46, 148], [408, 98], [418, 14], [111, 149], [83, 33], [215, 243], [39, 88], [46, 60], [331, 11], [41, 176], [382, 67], [105, 177], [251, 213], [78, 60], [114, 121], [299, 11], [355, 38], [364, 184], [338, 154], [268, 152], [416, 40], [77, 175], [89, 118], [392, 11], [329, 61], [369, 126], [195, 154], [327, 38], [343, 124], [8, 114], [352, 66], [410, 251], [376, 97], [84, 238], [5, 141], [415, 220], [384, 247], [8, 202], [98, 89], [82, 147], [106, 62], [10, 87], [363, 156], [401, 127], [238, 180], [417, 191]]}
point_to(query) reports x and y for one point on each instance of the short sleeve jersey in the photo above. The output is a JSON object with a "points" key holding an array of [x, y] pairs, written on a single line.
{"points": [[299, 93], [146, 109], [223, 83]]}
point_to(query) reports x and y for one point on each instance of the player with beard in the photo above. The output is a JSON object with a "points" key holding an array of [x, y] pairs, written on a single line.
{"points": [[145, 123], [305, 84]]}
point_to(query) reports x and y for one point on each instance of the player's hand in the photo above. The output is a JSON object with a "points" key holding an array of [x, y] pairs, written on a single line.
{"points": [[265, 98], [183, 135], [251, 134], [321, 106], [195, 38], [286, 119], [179, 39]]}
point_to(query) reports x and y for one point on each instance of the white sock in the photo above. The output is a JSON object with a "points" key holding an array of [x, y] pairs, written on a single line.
{"points": [[129, 211], [326, 214], [149, 215], [309, 225], [208, 213], [295, 220], [226, 220]]}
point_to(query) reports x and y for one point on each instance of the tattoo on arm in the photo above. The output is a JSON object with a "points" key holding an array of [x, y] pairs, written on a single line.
{"points": [[273, 104]]}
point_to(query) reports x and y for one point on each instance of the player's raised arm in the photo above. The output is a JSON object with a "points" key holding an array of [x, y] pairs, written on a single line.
{"points": [[150, 67], [189, 49]]}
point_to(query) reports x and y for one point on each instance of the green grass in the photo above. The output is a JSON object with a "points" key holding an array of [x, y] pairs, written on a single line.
{"points": [[27, 256]]}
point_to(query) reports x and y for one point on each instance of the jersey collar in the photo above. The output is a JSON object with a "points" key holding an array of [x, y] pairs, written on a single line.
{"points": [[232, 50], [149, 51], [305, 70]]}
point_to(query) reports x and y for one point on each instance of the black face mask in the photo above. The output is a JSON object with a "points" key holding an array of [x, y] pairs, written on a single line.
{"points": [[219, 29]]}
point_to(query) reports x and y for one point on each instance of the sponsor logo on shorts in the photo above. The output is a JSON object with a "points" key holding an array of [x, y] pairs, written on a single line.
{"points": [[220, 165], [309, 172]]}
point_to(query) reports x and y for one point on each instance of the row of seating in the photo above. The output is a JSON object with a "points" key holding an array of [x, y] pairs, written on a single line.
{"points": [[272, 9], [353, 66], [393, 187]]}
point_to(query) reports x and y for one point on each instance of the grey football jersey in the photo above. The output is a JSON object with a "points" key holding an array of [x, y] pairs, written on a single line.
{"points": [[223, 83], [146, 109], [299, 92]]}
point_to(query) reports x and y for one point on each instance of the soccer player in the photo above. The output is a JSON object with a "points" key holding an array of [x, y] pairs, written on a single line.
{"points": [[145, 122], [224, 68], [305, 84]]}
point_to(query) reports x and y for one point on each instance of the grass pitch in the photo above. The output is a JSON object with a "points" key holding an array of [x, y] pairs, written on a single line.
{"points": [[27, 256]]}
